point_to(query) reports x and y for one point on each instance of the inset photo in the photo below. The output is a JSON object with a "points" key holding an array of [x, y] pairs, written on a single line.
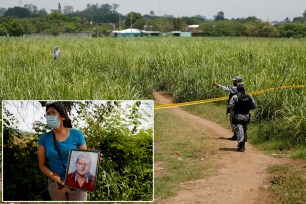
{"points": [[99, 150]]}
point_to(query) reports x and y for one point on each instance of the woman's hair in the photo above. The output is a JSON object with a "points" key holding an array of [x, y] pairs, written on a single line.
{"points": [[62, 111]]}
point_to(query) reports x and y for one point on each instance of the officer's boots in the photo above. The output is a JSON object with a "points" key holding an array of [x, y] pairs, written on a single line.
{"points": [[241, 146], [233, 138]]}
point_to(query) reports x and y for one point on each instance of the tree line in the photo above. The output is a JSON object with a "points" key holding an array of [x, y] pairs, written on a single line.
{"points": [[100, 19]]}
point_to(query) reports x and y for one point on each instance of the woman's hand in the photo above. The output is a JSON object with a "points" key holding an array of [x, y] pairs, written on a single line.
{"points": [[59, 183], [64, 189]]}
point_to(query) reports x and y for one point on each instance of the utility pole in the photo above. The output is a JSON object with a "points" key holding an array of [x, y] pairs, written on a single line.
{"points": [[119, 21], [131, 25], [131, 21], [97, 30], [59, 7]]}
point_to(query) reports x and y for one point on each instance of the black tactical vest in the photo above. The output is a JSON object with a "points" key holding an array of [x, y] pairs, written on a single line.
{"points": [[243, 105]]}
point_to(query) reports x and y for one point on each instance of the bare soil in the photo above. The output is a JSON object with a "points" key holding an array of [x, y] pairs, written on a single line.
{"points": [[241, 176]]}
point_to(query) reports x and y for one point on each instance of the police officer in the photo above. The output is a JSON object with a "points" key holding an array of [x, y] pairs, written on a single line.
{"points": [[233, 91], [240, 106]]}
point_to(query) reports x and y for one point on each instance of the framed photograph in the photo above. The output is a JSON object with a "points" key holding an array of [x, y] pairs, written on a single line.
{"points": [[82, 169]]}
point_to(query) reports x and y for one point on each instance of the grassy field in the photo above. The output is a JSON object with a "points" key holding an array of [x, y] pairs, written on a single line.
{"points": [[108, 68], [182, 153], [287, 184]]}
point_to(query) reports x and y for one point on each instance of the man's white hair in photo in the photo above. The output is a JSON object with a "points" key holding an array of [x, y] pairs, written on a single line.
{"points": [[84, 155]]}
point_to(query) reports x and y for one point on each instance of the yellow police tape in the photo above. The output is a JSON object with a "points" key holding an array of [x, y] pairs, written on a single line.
{"points": [[173, 105]]}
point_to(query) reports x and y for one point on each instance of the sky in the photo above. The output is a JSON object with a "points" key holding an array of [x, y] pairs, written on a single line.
{"points": [[267, 10], [27, 112]]}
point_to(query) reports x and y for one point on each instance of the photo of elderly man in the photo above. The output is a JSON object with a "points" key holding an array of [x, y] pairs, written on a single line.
{"points": [[82, 178]]}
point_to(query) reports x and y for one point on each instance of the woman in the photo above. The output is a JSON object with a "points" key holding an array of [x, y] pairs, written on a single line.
{"points": [[53, 152]]}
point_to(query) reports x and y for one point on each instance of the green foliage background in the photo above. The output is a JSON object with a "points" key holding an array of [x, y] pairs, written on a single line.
{"points": [[124, 174], [100, 19]]}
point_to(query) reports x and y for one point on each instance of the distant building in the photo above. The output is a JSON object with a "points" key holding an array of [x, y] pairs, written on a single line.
{"points": [[131, 32], [195, 32], [181, 34], [150, 33], [176, 33], [193, 28]]}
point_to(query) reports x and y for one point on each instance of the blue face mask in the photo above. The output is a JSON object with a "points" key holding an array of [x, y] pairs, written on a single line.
{"points": [[53, 122]]}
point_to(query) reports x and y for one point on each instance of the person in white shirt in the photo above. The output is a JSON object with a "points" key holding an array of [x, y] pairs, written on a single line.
{"points": [[56, 53]]}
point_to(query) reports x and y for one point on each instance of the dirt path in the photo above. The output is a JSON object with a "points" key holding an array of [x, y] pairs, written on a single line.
{"points": [[241, 176]]}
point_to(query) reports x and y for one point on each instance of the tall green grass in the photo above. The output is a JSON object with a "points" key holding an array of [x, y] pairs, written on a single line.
{"points": [[110, 68], [283, 118], [132, 68]]}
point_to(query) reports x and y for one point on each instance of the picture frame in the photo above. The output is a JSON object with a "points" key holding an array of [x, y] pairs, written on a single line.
{"points": [[82, 170]]}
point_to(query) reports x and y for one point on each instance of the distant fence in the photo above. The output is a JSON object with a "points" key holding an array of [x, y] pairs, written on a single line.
{"points": [[38, 35], [85, 35], [63, 35]]}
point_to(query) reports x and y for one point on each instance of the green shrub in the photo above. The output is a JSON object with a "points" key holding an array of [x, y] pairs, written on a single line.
{"points": [[286, 116]]}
